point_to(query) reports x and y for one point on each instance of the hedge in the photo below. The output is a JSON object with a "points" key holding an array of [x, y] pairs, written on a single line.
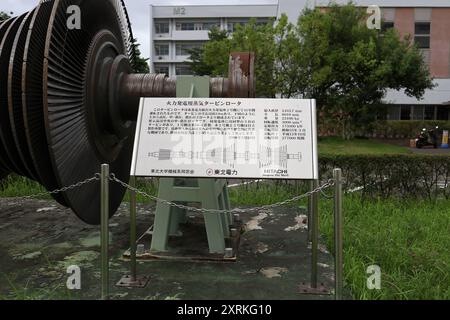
{"points": [[386, 175], [402, 129]]}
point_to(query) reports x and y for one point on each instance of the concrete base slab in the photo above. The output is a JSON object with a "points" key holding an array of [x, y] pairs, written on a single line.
{"points": [[37, 246]]}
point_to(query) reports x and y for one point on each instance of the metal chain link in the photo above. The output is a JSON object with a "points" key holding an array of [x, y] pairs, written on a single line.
{"points": [[77, 185], [325, 186]]}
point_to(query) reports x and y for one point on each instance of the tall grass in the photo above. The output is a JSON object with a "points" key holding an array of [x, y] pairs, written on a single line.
{"points": [[408, 239], [16, 186]]}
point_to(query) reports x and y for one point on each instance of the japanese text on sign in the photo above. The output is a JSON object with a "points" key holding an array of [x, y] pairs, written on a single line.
{"points": [[226, 138]]}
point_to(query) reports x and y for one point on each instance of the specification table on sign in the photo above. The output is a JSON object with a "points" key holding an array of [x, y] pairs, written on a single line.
{"points": [[226, 138]]}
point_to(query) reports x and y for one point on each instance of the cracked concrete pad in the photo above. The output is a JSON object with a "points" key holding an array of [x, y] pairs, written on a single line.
{"points": [[47, 209], [254, 223], [301, 224], [273, 272], [82, 258], [262, 248], [29, 256], [93, 240]]}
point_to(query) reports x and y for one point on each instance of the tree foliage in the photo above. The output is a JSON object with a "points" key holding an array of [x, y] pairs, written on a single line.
{"points": [[197, 61], [4, 15], [350, 67], [141, 64], [330, 56]]}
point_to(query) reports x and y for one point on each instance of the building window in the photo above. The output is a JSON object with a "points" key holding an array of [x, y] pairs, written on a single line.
{"points": [[426, 56], [418, 112], [429, 113], [443, 113], [196, 26], [161, 27], [182, 49], [183, 70], [422, 34], [387, 25], [231, 26], [162, 69], [405, 113], [162, 49], [393, 112]]}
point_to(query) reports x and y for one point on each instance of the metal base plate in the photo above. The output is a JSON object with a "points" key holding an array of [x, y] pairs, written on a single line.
{"points": [[196, 249], [127, 282], [305, 288]]}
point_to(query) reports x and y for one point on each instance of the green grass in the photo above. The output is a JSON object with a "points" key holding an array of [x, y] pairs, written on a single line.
{"points": [[408, 239], [16, 186], [334, 145]]}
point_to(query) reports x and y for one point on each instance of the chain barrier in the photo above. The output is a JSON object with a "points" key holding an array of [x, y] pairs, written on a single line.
{"points": [[325, 186], [330, 183]]}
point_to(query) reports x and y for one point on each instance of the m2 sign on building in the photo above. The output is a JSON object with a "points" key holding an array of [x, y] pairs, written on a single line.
{"points": [[226, 138]]}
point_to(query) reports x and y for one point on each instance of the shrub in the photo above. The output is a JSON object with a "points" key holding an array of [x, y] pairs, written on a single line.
{"points": [[385, 175], [403, 129], [385, 129]]}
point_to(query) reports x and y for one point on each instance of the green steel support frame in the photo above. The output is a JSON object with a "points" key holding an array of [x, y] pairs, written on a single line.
{"points": [[209, 193]]}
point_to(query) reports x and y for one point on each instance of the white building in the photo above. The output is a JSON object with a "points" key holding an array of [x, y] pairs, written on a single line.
{"points": [[176, 29]]}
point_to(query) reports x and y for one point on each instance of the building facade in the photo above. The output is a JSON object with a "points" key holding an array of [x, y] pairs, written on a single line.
{"points": [[177, 29]]}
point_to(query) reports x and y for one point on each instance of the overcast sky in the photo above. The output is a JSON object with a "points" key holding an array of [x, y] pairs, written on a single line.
{"points": [[138, 10]]}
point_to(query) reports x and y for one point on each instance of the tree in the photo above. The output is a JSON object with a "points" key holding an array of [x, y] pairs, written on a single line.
{"points": [[4, 15], [329, 55], [141, 64], [213, 58], [348, 68], [196, 60]]}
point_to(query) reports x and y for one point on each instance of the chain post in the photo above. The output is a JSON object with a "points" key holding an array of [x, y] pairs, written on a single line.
{"points": [[104, 208], [338, 234], [314, 234]]}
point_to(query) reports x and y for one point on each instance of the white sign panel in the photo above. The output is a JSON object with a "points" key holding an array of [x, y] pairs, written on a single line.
{"points": [[226, 138]]}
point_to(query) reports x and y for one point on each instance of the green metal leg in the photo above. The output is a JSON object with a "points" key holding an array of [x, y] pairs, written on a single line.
{"points": [[162, 224], [226, 200], [161, 228], [177, 217], [212, 194], [213, 221], [214, 231]]}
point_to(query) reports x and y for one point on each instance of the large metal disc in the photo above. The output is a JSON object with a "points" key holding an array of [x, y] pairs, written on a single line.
{"points": [[127, 33], [5, 164], [6, 135], [71, 130], [32, 97], [15, 97]]}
